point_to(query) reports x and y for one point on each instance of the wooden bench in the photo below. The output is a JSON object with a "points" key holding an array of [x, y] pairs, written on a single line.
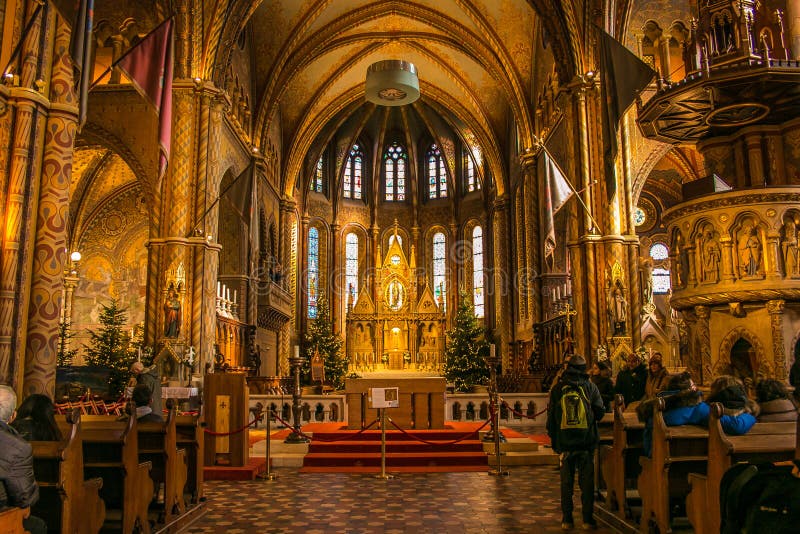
{"points": [[190, 438], [676, 452], [11, 520], [765, 442], [621, 459], [158, 445], [111, 451], [66, 500]]}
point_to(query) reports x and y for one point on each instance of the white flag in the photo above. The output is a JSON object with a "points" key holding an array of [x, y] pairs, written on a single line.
{"points": [[556, 191]]}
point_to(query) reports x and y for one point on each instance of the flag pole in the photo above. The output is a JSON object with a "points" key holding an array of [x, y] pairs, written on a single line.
{"points": [[22, 37], [577, 195], [96, 82], [222, 193]]}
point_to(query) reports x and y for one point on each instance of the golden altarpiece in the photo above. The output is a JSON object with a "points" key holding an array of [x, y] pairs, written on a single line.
{"points": [[403, 327]]}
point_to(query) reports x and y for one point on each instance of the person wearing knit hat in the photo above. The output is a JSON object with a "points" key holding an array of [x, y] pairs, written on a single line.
{"points": [[657, 376], [738, 411], [600, 375], [575, 456], [774, 402], [631, 380]]}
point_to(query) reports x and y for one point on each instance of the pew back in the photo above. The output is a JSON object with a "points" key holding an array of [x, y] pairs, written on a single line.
{"points": [[11, 520], [621, 462], [190, 438], [158, 445]]}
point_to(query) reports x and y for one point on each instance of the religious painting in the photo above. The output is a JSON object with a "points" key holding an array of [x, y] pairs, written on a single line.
{"points": [[395, 295]]}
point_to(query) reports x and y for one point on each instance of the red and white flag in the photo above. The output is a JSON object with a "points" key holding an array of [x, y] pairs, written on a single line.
{"points": [[149, 67], [556, 193]]}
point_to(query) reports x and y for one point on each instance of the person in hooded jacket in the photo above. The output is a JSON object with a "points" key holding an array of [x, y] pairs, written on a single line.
{"points": [[575, 458], [683, 405], [774, 402], [631, 380], [600, 375], [739, 412]]}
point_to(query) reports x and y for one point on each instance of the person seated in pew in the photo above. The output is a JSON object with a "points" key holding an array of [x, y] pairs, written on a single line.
{"points": [[36, 419], [683, 405], [143, 399], [657, 376], [631, 380], [774, 402], [739, 411], [18, 486], [600, 375]]}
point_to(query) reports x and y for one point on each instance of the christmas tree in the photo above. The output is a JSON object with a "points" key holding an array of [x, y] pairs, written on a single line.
{"points": [[109, 347], [466, 348], [65, 355], [321, 337]]}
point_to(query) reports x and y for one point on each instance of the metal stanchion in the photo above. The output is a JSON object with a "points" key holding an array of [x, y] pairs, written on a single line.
{"points": [[268, 475], [295, 436], [383, 474], [494, 433]]}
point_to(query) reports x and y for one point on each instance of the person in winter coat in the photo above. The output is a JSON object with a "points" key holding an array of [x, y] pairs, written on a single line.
{"points": [[774, 402], [576, 445], [657, 377], [683, 405], [36, 420], [600, 375], [631, 380], [739, 412]]}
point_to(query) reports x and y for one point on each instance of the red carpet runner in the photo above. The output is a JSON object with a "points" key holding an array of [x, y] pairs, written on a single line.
{"points": [[346, 451]]}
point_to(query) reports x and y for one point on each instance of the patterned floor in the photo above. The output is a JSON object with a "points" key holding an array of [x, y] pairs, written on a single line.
{"points": [[524, 502]]}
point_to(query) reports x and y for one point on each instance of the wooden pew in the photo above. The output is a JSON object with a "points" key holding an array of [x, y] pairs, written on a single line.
{"points": [[765, 442], [676, 452], [605, 430], [158, 445], [111, 451], [190, 438], [621, 463], [67, 502], [11, 520]]}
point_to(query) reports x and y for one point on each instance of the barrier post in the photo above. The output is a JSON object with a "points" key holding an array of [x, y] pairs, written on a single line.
{"points": [[383, 474], [268, 475]]}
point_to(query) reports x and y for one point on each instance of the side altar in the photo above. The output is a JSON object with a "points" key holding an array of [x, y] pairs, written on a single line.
{"points": [[421, 402], [399, 324]]}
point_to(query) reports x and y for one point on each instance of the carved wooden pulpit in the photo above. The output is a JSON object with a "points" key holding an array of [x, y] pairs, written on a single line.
{"points": [[225, 400]]}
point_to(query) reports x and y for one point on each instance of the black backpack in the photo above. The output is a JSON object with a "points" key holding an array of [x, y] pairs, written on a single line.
{"points": [[759, 498], [576, 419]]}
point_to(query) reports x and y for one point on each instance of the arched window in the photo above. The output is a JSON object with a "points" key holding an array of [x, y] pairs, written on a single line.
{"points": [[351, 267], [437, 178], [469, 173], [353, 170], [394, 170], [477, 271], [661, 283], [659, 251], [316, 182], [440, 267], [313, 272]]}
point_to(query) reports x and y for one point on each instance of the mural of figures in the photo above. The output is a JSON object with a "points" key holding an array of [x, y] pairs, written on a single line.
{"points": [[789, 249], [711, 258], [172, 314]]}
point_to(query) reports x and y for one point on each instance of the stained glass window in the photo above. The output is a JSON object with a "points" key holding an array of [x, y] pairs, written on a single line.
{"points": [[398, 237], [351, 266], [439, 268], [639, 216], [316, 183], [477, 271], [659, 251], [313, 272], [661, 283], [437, 178], [469, 173], [394, 169], [353, 173]]}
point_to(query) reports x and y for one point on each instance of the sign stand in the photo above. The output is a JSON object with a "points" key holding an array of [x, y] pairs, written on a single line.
{"points": [[384, 475], [382, 398]]}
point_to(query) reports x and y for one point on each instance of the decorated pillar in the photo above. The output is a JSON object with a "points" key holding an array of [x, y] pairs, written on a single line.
{"points": [[531, 281], [27, 114], [502, 272], [775, 309], [47, 274], [288, 258], [703, 314], [726, 243]]}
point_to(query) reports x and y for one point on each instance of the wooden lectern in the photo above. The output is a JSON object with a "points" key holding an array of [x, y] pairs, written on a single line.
{"points": [[225, 401]]}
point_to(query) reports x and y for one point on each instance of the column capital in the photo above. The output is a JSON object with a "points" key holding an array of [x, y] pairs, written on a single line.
{"points": [[776, 307], [288, 204], [702, 312], [501, 203]]}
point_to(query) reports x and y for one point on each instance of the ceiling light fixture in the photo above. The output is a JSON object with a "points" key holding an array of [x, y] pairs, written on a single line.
{"points": [[392, 82]]}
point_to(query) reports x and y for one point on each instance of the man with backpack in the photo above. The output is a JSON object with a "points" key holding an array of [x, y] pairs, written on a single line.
{"points": [[575, 407]]}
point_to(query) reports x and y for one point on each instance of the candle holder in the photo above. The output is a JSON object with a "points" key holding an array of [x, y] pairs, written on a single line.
{"points": [[295, 436]]}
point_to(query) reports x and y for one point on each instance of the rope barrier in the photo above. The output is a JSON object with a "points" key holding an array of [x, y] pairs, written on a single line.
{"points": [[534, 416], [465, 436], [245, 427], [301, 433]]}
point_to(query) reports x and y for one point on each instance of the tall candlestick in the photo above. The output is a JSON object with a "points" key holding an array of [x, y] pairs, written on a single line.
{"points": [[234, 296], [227, 293], [297, 351], [219, 288], [491, 350]]}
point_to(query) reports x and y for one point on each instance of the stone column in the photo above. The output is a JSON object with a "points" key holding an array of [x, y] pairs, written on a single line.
{"points": [[726, 243], [775, 309], [772, 254], [51, 225], [288, 258], [703, 314], [755, 159], [692, 278], [501, 269], [532, 282], [28, 113], [793, 27]]}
